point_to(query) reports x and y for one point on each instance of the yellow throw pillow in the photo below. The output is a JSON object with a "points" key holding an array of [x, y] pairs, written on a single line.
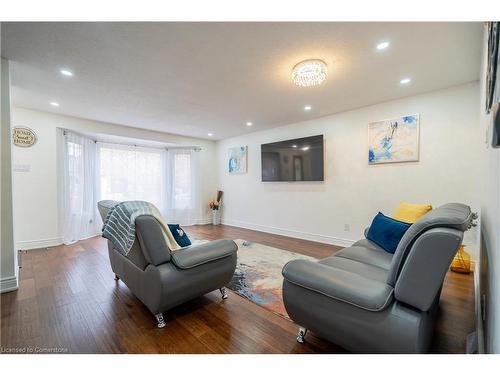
{"points": [[409, 212]]}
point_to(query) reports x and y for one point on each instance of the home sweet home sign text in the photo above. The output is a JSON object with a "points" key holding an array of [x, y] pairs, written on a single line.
{"points": [[23, 137]]}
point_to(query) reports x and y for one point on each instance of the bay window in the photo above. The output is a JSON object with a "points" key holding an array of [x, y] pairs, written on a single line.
{"points": [[93, 171]]}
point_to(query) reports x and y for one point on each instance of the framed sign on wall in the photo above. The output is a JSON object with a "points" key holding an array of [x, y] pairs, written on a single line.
{"points": [[23, 136]]}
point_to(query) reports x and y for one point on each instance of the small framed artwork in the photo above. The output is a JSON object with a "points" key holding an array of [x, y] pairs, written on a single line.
{"points": [[394, 141], [237, 160]]}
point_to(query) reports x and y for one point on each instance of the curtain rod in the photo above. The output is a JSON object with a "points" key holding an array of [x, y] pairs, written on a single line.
{"points": [[65, 132], [194, 148]]}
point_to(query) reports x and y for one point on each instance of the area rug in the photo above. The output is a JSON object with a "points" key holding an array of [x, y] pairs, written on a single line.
{"points": [[258, 274]]}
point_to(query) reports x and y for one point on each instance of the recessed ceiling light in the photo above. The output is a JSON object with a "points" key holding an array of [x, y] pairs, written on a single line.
{"points": [[210, 134], [67, 73], [305, 148], [54, 104], [307, 108], [383, 45], [249, 123], [405, 81], [294, 146], [309, 73]]}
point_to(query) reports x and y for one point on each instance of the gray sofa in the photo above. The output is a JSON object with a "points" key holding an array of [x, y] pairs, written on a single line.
{"points": [[368, 300], [162, 279]]}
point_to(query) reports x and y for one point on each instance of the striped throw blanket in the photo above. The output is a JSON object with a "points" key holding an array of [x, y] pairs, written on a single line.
{"points": [[119, 224]]}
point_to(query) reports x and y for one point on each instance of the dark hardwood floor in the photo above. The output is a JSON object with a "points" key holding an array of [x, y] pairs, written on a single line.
{"points": [[69, 302]]}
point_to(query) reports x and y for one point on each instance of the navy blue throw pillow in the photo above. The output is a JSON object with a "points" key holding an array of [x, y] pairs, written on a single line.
{"points": [[386, 232], [179, 235]]}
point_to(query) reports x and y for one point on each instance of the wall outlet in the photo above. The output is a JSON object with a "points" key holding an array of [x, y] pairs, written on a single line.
{"points": [[347, 228]]}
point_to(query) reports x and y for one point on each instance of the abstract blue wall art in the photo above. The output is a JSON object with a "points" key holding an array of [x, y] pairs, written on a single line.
{"points": [[394, 141], [237, 160]]}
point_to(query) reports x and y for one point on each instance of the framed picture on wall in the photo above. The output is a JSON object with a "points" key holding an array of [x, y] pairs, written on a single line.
{"points": [[493, 81], [394, 141], [492, 64], [237, 160]]}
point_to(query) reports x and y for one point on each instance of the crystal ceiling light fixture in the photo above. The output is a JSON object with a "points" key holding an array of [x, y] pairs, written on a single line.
{"points": [[383, 45], [309, 73]]}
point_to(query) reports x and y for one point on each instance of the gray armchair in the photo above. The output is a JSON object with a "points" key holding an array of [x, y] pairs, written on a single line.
{"points": [[368, 300], [162, 279]]}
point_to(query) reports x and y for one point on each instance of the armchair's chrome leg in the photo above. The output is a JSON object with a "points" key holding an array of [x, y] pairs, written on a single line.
{"points": [[301, 335], [159, 319], [223, 292], [116, 277]]}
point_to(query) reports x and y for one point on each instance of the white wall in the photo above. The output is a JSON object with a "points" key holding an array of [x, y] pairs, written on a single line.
{"points": [[353, 192], [8, 259], [36, 199], [490, 216]]}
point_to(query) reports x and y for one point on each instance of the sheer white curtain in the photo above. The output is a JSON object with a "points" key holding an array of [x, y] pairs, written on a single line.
{"points": [[78, 180], [131, 173], [184, 205], [93, 171]]}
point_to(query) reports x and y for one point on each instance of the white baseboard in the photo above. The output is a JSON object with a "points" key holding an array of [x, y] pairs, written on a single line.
{"points": [[204, 221], [38, 244], [331, 240], [9, 284]]}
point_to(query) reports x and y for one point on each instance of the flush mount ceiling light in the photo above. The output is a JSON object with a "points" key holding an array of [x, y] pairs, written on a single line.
{"points": [[307, 108], [405, 81], [249, 123], [309, 73], [54, 104], [66, 73], [210, 134]]}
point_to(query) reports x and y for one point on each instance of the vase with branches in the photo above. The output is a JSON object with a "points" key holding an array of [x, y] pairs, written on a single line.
{"points": [[215, 206]]}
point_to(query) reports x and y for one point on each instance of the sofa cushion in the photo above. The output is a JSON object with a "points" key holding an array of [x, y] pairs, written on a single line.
{"points": [[410, 212], [452, 215], [197, 255], [367, 270], [375, 256], [368, 244], [338, 284], [152, 240], [386, 232]]}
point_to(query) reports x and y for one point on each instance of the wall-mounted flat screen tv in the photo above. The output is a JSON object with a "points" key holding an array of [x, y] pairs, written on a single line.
{"points": [[298, 159]]}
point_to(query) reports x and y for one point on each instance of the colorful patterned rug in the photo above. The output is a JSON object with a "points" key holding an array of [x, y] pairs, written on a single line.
{"points": [[258, 274]]}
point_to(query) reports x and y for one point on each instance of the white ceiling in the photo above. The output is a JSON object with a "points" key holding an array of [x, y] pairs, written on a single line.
{"points": [[195, 78]]}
